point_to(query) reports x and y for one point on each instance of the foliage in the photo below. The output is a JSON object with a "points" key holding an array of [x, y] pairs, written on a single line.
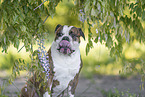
{"points": [[116, 93], [22, 20], [113, 23]]}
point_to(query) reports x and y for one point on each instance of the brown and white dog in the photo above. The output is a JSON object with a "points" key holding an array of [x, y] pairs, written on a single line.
{"points": [[64, 63]]}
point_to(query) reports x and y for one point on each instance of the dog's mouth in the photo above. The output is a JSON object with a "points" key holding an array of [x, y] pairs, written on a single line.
{"points": [[65, 47]]}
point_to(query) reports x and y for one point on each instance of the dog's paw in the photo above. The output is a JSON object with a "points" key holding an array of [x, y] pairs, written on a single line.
{"points": [[46, 94], [71, 95]]}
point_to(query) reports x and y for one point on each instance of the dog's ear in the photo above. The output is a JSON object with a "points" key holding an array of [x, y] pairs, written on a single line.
{"points": [[81, 33], [57, 27]]}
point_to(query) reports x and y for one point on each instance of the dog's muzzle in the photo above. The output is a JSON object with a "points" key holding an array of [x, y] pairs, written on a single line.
{"points": [[65, 46]]}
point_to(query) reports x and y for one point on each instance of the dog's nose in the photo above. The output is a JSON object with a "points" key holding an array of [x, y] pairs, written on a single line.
{"points": [[65, 38]]}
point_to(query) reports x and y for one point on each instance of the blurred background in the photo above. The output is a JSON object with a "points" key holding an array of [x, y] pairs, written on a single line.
{"points": [[98, 61]]}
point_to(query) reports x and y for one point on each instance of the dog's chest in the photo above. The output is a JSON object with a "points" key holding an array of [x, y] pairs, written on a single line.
{"points": [[65, 73], [65, 69]]}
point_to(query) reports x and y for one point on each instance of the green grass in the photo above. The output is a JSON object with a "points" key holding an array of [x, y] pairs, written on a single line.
{"points": [[117, 93]]}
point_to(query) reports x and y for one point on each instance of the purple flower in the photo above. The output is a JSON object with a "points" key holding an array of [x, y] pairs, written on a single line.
{"points": [[43, 57], [80, 10], [96, 30], [25, 89], [82, 15], [99, 38]]}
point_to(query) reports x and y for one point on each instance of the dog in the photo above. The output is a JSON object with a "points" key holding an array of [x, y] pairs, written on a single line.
{"points": [[65, 64]]}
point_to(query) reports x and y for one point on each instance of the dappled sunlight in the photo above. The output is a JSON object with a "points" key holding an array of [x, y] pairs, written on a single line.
{"points": [[134, 51], [98, 60]]}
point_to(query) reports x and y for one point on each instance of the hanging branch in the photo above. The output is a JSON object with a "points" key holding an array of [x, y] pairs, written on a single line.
{"points": [[40, 5]]}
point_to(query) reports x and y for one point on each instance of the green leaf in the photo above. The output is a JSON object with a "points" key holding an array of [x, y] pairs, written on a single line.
{"points": [[20, 60], [23, 61], [135, 8], [87, 7], [93, 12], [109, 42], [112, 51], [23, 28], [96, 40], [131, 5], [139, 11], [28, 65], [16, 44], [143, 16], [87, 48]]}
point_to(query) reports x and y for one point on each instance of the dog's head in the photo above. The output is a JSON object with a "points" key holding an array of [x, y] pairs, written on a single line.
{"points": [[68, 39]]}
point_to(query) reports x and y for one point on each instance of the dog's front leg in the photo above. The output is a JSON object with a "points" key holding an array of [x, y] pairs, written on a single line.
{"points": [[46, 94], [70, 91], [72, 86]]}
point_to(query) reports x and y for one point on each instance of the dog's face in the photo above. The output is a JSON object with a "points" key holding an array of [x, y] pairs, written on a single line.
{"points": [[68, 39]]}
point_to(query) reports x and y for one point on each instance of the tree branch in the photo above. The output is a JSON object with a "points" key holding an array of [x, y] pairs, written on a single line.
{"points": [[40, 5]]}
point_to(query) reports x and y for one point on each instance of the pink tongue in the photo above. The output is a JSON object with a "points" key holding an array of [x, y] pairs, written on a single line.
{"points": [[65, 47], [65, 51], [62, 50]]}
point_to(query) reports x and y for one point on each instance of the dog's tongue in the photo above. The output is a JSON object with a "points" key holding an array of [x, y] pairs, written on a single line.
{"points": [[65, 47]]}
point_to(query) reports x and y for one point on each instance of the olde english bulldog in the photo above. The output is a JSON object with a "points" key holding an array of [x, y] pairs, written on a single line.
{"points": [[64, 63]]}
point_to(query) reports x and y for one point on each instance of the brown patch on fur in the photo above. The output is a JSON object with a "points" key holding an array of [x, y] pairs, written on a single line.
{"points": [[57, 32], [73, 83], [51, 73], [55, 83], [75, 33]]}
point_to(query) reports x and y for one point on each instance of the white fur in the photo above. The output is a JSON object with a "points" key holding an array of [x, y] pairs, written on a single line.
{"points": [[65, 66], [69, 92], [46, 94]]}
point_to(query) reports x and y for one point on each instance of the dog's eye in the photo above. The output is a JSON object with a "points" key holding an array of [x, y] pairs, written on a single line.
{"points": [[72, 34], [59, 34]]}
